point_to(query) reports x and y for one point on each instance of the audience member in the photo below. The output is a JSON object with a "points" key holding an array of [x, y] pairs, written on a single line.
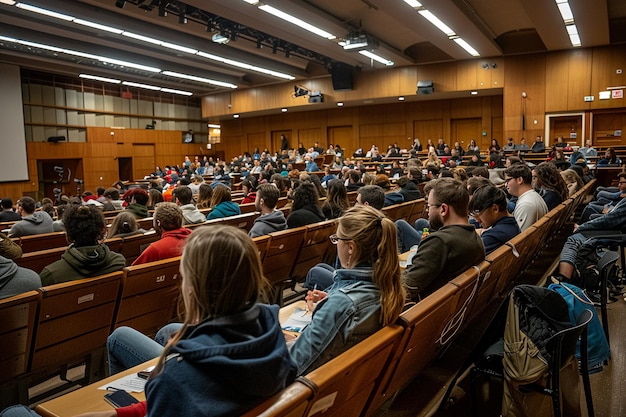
{"points": [[572, 180], [8, 248], [391, 197], [539, 146], [33, 222], [167, 221], [183, 196], [16, 280], [451, 248], [488, 207], [137, 198], [409, 190], [249, 186], [529, 207], [227, 344], [588, 150], [123, 225], [7, 214], [270, 220], [112, 196], [371, 195], [154, 197], [86, 256], [221, 203], [305, 208], [366, 292], [336, 200], [353, 183], [610, 158], [549, 183], [605, 199], [205, 192]]}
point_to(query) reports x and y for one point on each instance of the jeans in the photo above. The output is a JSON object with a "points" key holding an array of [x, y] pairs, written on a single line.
{"points": [[410, 235], [18, 411], [319, 277], [127, 347]]}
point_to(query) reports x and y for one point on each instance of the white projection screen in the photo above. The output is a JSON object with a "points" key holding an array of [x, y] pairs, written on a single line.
{"points": [[13, 158]]}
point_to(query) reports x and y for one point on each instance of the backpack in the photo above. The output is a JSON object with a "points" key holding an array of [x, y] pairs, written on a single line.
{"points": [[577, 301]]}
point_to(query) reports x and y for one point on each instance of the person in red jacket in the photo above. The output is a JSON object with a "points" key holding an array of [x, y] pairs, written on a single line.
{"points": [[168, 220]]}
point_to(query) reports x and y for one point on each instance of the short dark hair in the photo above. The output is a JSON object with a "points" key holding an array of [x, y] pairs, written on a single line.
{"points": [[354, 175], [372, 195], [305, 194], [474, 183], [433, 169], [269, 193], [451, 191], [169, 215], [481, 171], [27, 204], [486, 196], [520, 171], [7, 203], [183, 194], [112, 193]]}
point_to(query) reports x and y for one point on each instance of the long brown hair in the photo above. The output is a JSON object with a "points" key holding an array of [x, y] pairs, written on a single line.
{"points": [[222, 275], [374, 236]]}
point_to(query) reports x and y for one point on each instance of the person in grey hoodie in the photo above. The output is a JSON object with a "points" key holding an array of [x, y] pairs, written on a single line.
{"points": [[16, 280], [33, 222], [270, 220], [183, 196], [86, 256]]}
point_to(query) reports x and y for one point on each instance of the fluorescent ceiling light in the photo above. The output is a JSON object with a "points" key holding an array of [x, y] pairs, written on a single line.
{"points": [[357, 45], [376, 58], [97, 78], [252, 1], [298, 22], [142, 38], [235, 116], [199, 79], [44, 12], [181, 92], [138, 85], [466, 46], [243, 65], [98, 26], [179, 48], [214, 126], [435, 21], [414, 4], [566, 12], [9, 2], [7, 39], [41, 46], [129, 64]]}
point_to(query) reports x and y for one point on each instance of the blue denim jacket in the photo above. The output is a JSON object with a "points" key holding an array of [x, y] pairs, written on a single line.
{"points": [[350, 313]]}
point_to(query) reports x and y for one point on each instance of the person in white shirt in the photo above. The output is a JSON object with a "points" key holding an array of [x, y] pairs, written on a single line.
{"points": [[530, 206]]}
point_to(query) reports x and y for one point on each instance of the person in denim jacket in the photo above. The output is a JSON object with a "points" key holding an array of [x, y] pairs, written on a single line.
{"points": [[367, 292]]}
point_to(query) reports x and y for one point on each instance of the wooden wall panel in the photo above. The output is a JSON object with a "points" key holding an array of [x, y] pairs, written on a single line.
{"points": [[606, 62], [427, 129]]}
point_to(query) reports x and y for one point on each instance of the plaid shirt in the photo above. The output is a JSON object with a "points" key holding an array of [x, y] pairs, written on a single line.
{"points": [[615, 220]]}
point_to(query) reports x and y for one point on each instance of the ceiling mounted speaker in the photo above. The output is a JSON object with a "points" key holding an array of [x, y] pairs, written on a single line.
{"points": [[425, 87]]}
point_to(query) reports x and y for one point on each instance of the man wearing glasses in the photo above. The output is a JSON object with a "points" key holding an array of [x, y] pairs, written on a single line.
{"points": [[530, 206], [452, 248]]}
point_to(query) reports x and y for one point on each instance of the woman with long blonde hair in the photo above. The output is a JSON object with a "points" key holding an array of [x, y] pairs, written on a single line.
{"points": [[367, 291], [432, 160]]}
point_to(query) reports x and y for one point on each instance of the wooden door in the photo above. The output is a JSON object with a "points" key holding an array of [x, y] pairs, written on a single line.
{"points": [[144, 160], [342, 136], [463, 130], [567, 127]]}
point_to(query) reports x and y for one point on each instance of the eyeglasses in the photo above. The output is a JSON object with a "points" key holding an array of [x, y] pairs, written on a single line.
{"points": [[432, 205], [334, 239], [506, 180]]}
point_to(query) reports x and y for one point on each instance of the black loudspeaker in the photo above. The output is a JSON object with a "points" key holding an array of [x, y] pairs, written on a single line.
{"points": [[341, 75], [56, 139], [425, 87]]}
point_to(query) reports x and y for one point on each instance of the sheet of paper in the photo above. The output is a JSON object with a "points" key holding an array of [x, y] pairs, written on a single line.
{"points": [[297, 321], [129, 383]]}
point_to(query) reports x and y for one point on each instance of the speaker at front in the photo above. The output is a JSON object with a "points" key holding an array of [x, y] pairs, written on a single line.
{"points": [[341, 75], [425, 87]]}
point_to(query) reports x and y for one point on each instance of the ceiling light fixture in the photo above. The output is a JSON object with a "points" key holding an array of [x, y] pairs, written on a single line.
{"points": [[219, 38], [45, 12], [139, 85], [298, 22], [98, 26], [173, 91], [468, 48], [214, 126], [199, 79], [377, 58], [340, 104], [235, 116], [98, 78], [9, 2]]}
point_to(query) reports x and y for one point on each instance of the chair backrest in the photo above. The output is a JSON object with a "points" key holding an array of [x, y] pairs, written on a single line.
{"points": [[243, 221], [290, 402], [562, 345], [16, 332], [262, 242], [38, 260], [343, 385], [423, 324], [149, 295], [399, 211], [417, 211], [314, 247], [282, 253], [132, 246], [74, 320], [247, 208], [34, 243]]}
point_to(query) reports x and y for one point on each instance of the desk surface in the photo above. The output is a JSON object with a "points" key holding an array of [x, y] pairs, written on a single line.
{"points": [[91, 399]]}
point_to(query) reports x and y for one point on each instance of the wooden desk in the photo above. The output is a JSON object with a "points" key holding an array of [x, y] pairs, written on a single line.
{"points": [[90, 398]]}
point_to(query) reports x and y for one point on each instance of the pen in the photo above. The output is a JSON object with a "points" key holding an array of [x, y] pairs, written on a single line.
{"points": [[306, 305]]}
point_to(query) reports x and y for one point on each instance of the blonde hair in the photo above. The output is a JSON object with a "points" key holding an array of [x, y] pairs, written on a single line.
{"points": [[374, 236], [222, 271], [432, 159]]}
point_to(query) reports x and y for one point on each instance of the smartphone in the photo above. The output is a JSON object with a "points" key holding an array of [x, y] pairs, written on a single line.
{"points": [[144, 374], [120, 399]]}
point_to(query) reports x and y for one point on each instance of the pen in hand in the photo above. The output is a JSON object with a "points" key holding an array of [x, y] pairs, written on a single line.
{"points": [[306, 305]]}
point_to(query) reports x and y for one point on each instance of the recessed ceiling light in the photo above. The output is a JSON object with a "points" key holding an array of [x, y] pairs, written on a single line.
{"points": [[340, 104], [401, 98], [284, 110], [474, 93], [235, 116]]}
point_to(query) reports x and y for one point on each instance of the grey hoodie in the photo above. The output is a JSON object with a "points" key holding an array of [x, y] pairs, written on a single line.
{"points": [[34, 224], [15, 279], [191, 214], [268, 223]]}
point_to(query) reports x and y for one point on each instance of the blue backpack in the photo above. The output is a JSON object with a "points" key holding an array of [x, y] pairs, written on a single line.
{"points": [[577, 301]]}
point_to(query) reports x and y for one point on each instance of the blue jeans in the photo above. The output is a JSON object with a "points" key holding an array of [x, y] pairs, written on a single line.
{"points": [[410, 235], [127, 347], [18, 411], [319, 277]]}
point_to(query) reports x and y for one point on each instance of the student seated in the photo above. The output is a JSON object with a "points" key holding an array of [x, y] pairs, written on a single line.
{"points": [[230, 353], [488, 207]]}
